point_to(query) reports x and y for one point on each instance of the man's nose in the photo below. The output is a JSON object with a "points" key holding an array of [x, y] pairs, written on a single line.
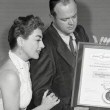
{"points": [[71, 21]]}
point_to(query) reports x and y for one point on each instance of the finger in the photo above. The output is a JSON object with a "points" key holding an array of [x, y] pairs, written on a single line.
{"points": [[52, 94], [57, 101], [54, 98], [101, 40], [95, 39], [108, 41], [105, 40], [45, 94]]}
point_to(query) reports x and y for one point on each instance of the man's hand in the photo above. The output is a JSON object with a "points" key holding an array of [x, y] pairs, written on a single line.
{"points": [[102, 40]]}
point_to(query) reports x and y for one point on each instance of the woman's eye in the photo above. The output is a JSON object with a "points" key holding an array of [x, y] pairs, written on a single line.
{"points": [[38, 40]]}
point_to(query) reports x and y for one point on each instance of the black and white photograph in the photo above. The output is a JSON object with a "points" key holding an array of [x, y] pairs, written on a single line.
{"points": [[54, 54]]}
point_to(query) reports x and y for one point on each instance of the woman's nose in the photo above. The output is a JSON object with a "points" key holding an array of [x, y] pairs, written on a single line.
{"points": [[42, 44]]}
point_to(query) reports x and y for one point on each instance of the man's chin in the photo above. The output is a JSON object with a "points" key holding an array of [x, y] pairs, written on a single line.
{"points": [[70, 31]]}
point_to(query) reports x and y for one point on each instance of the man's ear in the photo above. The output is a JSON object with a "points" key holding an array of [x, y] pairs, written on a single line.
{"points": [[20, 41]]}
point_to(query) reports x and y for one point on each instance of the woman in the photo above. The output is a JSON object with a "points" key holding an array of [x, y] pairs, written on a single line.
{"points": [[25, 41]]}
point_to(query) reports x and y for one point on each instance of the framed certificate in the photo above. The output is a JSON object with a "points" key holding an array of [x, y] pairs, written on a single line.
{"points": [[92, 77]]}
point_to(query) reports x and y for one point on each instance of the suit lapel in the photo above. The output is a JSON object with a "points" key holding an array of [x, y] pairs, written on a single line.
{"points": [[66, 54]]}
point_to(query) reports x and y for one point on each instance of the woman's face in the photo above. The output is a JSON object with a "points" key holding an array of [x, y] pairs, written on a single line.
{"points": [[33, 45]]}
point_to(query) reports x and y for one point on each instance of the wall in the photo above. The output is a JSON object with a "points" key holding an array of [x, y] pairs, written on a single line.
{"points": [[94, 15], [10, 10]]}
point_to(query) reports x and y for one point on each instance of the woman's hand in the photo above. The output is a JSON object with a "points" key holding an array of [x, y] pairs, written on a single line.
{"points": [[49, 101]]}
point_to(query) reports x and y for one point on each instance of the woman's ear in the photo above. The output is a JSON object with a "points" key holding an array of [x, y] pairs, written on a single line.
{"points": [[20, 41]]}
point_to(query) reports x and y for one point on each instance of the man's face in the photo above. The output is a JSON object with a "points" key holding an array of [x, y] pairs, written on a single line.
{"points": [[66, 17]]}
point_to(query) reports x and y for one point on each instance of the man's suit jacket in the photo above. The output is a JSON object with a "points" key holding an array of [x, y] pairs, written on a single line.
{"points": [[54, 69]]}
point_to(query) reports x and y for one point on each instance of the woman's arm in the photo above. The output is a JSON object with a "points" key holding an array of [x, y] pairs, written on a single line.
{"points": [[10, 88]]}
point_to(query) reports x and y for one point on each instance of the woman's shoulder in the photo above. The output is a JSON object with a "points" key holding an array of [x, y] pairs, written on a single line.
{"points": [[8, 74]]}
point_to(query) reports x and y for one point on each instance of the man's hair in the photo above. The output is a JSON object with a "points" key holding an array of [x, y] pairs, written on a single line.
{"points": [[23, 26], [53, 3]]}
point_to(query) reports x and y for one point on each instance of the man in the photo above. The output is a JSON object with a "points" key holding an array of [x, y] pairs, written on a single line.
{"points": [[55, 68]]}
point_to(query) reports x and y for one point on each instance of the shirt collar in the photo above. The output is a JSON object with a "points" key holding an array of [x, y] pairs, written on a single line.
{"points": [[73, 36], [19, 63], [65, 38]]}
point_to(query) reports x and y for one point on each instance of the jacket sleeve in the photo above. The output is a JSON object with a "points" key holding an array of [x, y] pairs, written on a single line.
{"points": [[41, 73]]}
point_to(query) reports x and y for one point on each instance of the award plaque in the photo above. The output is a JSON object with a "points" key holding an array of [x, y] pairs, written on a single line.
{"points": [[92, 77]]}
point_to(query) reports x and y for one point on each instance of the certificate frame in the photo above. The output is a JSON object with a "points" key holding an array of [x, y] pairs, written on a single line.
{"points": [[80, 72]]}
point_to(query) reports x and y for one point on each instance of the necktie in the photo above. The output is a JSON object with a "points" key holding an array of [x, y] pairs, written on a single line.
{"points": [[72, 45]]}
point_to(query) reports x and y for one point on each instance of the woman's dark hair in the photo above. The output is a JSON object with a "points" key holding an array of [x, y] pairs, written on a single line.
{"points": [[23, 26], [53, 3]]}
